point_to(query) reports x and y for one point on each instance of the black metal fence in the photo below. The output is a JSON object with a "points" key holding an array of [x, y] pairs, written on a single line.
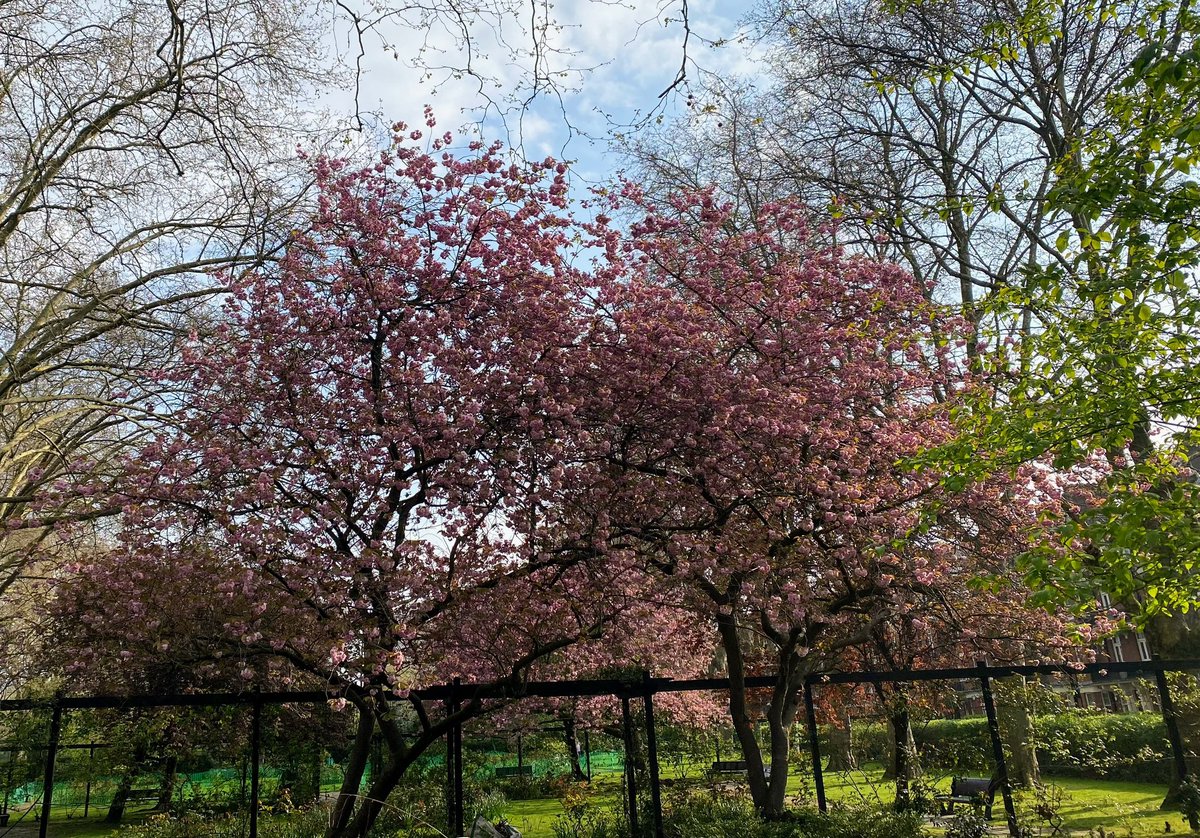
{"points": [[627, 691]]}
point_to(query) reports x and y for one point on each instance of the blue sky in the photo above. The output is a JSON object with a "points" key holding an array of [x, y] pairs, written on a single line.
{"points": [[609, 61]]}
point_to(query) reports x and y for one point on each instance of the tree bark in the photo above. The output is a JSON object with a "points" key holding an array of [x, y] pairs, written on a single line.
{"points": [[841, 746], [343, 809], [1017, 729], [904, 766], [743, 725], [116, 809], [166, 788], [572, 740], [767, 794]]}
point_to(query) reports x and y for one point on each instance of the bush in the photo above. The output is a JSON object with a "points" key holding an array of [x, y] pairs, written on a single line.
{"points": [[299, 824], [1078, 743], [705, 814], [967, 822], [962, 746], [583, 817], [1084, 737]]}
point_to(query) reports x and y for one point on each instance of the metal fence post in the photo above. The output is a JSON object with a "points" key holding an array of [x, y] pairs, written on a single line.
{"points": [[652, 752], [51, 753], [459, 806], [587, 752], [87, 792], [998, 749], [449, 710], [630, 779], [1170, 720], [814, 742], [1173, 735], [255, 757]]}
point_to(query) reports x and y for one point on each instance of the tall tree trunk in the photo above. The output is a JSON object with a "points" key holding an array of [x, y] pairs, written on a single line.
{"points": [[1174, 637], [739, 712], [384, 782], [116, 809], [841, 746], [1017, 728], [166, 788], [905, 766], [901, 746], [572, 740], [781, 715]]}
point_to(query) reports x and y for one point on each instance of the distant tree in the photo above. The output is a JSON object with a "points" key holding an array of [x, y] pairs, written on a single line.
{"points": [[145, 145]]}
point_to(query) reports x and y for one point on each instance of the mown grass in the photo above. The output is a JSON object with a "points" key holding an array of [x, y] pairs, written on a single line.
{"points": [[1119, 808]]}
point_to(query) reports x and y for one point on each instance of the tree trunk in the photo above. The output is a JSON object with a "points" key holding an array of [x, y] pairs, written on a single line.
{"points": [[1017, 728], [352, 780], [384, 782], [116, 809], [1173, 637], [166, 788], [901, 746], [743, 726], [572, 740], [781, 714], [841, 746], [904, 764]]}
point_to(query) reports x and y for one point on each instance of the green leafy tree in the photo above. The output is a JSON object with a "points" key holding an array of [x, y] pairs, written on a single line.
{"points": [[1107, 380]]}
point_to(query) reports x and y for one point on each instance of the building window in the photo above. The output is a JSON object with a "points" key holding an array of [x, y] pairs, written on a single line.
{"points": [[1118, 653], [1105, 600], [1143, 646]]}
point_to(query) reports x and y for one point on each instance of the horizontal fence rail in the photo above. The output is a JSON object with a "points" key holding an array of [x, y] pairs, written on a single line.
{"points": [[632, 687], [642, 686]]}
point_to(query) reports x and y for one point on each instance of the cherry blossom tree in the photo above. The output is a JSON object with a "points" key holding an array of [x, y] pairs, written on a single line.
{"points": [[359, 487], [457, 434], [762, 398]]}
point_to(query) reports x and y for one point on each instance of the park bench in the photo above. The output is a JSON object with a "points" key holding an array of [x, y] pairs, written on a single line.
{"points": [[483, 828], [514, 771], [973, 791], [734, 766]]}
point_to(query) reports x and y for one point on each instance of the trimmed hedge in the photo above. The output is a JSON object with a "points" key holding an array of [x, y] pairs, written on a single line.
{"points": [[1081, 743]]}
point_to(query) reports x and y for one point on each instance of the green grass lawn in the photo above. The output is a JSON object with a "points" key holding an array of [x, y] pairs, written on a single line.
{"points": [[1122, 809]]}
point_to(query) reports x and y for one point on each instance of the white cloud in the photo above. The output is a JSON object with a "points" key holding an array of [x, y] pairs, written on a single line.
{"points": [[607, 63]]}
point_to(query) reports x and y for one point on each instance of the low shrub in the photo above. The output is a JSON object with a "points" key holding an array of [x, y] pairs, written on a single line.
{"points": [[1072, 743], [583, 817], [967, 822], [705, 814], [299, 824], [1084, 737]]}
